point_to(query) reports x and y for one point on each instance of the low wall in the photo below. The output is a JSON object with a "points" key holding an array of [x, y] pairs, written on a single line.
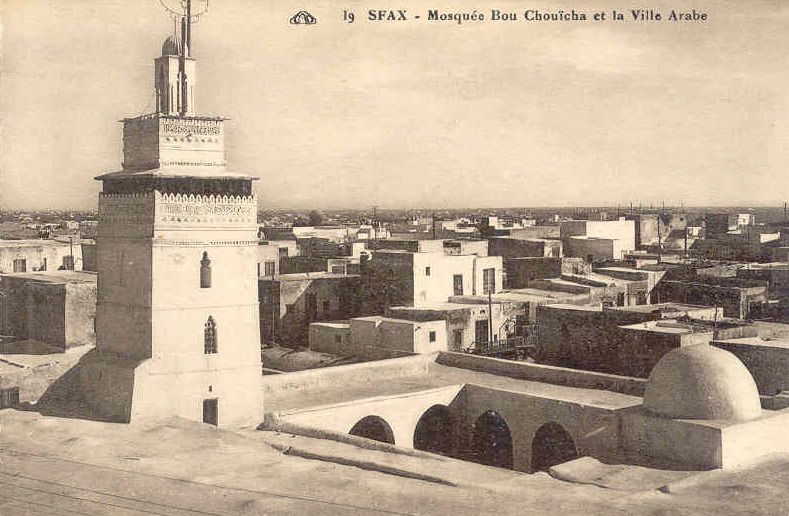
{"points": [[342, 375], [672, 443], [746, 442], [769, 365], [544, 373]]}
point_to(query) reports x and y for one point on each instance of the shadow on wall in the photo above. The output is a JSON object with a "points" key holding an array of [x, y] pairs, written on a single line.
{"points": [[88, 391], [10, 345]]}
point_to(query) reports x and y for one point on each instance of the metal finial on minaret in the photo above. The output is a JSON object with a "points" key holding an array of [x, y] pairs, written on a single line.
{"points": [[181, 101]]}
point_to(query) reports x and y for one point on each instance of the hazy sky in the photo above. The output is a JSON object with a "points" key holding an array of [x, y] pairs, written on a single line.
{"points": [[414, 114]]}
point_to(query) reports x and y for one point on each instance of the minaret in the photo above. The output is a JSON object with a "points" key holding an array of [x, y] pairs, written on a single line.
{"points": [[175, 79], [177, 309]]}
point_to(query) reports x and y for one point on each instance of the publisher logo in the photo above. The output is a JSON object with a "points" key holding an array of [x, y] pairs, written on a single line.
{"points": [[303, 18]]}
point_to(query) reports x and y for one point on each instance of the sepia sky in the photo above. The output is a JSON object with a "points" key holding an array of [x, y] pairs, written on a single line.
{"points": [[414, 114]]}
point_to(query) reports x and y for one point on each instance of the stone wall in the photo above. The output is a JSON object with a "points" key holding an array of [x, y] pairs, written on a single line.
{"points": [[521, 272], [507, 247], [768, 364], [736, 301], [387, 280], [295, 303], [585, 338], [59, 313]]}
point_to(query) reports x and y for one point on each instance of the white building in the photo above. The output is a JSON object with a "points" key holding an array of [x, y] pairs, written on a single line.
{"points": [[40, 255], [598, 240]]}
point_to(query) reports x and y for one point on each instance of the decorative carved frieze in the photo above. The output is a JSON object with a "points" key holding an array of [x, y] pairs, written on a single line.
{"points": [[159, 242], [133, 214], [210, 210]]}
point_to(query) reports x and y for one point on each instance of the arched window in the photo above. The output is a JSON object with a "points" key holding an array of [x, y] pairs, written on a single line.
{"points": [[209, 336], [205, 271]]}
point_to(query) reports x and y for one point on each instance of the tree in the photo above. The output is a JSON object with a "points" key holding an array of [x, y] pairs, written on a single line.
{"points": [[315, 218]]}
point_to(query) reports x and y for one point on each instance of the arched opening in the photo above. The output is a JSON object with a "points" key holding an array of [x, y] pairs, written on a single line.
{"points": [[205, 271], [375, 428], [492, 442], [552, 445], [209, 337], [436, 431]]}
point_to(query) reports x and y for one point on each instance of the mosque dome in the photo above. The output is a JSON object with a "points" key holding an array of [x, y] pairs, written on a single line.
{"points": [[171, 46], [702, 382]]}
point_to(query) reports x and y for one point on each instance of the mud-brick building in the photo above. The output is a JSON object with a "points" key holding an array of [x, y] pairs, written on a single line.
{"points": [[421, 279], [290, 302], [56, 307], [626, 340], [512, 247], [739, 298]]}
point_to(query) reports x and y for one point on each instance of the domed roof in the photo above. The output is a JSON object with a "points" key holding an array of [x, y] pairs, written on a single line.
{"points": [[171, 46], [702, 382]]}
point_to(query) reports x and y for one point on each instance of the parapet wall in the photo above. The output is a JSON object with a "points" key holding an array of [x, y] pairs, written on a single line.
{"points": [[544, 373], [342, 375]]}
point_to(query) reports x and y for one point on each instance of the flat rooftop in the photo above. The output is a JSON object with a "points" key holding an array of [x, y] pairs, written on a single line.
{"points": [[526, 239], [661, 307], [381, 318], [443, 376], [768, 342], [55, 277], [586, 237], [300, 276], [340, 325], [36, 242], [438, 307], [668, 326], [596, 277], [781, 266], [525, 295], [579, 308]]}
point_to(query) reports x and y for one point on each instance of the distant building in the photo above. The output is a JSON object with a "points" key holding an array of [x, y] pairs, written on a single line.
{"points": [[268, 259], [467, 324], [511, 247], [289, 303], [40, 255], [377, 337], [718, 224], [527, 232], [624, 341], [767, 359], [598, 240], [89, 258], [655, 228], [775, 274], [448, 246], [739, 298], [522, 272], [400, 278], [609, 286]]}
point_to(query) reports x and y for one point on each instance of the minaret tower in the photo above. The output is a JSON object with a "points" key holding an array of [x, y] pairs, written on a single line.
{"points": [[177, 310]]}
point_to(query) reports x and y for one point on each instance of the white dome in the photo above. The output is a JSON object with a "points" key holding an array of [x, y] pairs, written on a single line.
{"points": [[171, 46], [702, 382]]}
